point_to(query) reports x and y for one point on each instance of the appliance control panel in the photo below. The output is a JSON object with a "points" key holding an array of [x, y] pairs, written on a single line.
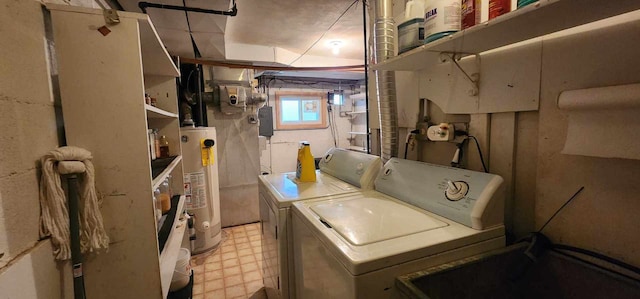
{"points": [[458, 194], [358, 169]]}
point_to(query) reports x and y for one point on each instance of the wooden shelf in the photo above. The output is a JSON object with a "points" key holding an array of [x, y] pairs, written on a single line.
{"points": [[160, 178], [171, 248], [358, 96], [355, 112], [357, 148], [155, 58], [535, 20], [155, 112]]}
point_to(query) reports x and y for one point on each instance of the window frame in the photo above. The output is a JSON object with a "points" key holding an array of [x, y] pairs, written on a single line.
{"points": [[301, 126]]}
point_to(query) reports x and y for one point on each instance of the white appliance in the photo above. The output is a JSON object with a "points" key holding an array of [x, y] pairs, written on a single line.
{"points": [[201, 188], [341, 172], [421, 215]]}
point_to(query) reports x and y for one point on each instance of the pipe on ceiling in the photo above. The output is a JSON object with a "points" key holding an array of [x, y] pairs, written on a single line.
{"points": [[232, 12], [384, 48]]}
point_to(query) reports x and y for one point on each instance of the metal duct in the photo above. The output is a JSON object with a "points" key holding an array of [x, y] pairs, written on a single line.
{"points": [[384, 45]]}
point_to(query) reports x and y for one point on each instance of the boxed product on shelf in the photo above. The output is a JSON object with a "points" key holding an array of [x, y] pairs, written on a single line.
{"points": [[410, 34]]}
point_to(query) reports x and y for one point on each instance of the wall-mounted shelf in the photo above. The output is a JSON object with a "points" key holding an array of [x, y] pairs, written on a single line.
{"points": [[535, 20], [163, 175], [357, 148], [358, 96], [155, 112], [175, 227]]}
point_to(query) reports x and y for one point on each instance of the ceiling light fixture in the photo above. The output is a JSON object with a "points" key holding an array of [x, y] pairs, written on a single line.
{"points": [[335, 46]]}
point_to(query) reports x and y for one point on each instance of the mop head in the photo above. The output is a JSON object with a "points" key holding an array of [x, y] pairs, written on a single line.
{"points": [[54, 217]]}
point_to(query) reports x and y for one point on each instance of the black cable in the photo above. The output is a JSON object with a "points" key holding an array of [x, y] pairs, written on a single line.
{"points": [[479, 152], [326, 31], [406, 147], [562, 207]]}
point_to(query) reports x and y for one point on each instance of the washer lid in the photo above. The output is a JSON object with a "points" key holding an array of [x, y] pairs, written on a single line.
{"points": [[367, 220], [289, 188]]}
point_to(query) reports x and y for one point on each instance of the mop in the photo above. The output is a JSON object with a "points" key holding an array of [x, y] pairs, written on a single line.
{"points": [[79, 228]]}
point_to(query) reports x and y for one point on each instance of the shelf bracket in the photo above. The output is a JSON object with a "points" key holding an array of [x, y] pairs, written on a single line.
{"points": [[474, 78]]}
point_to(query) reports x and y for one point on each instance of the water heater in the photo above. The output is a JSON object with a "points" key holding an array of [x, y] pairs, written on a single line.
{"points": [[201, 188]]}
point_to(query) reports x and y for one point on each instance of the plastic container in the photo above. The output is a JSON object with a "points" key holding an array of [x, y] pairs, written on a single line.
{"points": [[184, 293], [182, 272], [156, 142], [522, 3], [441, 18], [471, 13], [165, 201], [306, 166], [164, 147], [152, 144], [410, 34], [498, 8]]}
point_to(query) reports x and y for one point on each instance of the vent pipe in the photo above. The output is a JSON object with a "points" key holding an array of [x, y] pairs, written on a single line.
{"points": [[384, 45]]}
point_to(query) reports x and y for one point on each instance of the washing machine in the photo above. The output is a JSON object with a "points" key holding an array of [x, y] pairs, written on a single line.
{"points": [[419, 215], [341, 172]]}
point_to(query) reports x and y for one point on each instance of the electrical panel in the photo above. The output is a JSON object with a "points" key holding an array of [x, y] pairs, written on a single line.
{"points": [[265, 115]]}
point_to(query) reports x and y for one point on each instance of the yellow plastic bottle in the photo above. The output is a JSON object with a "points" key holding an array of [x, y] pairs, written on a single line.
{"points": [[306, 166]]}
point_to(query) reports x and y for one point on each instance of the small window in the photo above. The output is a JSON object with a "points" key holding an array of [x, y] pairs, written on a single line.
{"points": [[297, 111]]}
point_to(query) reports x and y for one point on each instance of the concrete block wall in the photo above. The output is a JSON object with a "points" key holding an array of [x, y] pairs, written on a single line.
{"points": [[30, 123]]}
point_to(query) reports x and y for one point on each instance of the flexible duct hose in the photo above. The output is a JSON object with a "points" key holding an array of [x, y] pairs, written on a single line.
{"points": [[384, 43]]}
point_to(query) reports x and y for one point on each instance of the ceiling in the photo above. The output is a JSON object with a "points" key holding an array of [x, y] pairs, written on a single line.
{"points": [[264, 32]]}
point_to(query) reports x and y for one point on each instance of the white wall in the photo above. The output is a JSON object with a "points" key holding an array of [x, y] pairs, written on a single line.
{"points": [[282, 148], [525, 148], [238, 166]]}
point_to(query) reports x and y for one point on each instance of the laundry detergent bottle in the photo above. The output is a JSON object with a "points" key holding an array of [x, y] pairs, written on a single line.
{"points": [[306, 166]]}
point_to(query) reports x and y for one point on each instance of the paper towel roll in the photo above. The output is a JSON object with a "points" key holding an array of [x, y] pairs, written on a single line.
{"points": [[610, 97], [603, 122]]}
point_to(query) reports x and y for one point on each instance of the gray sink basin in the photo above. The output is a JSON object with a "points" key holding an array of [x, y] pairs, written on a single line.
{"points": [[492, 275]]}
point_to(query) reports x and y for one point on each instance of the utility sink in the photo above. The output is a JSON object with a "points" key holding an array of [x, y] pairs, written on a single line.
{"points": [[508, 273]]}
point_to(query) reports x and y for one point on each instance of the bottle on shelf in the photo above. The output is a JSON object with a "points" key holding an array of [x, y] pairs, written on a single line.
{"points": [[156, 143], [152, 144], [157, 206], [164, 147], [164, 198], [165, 195], [498, 8]]}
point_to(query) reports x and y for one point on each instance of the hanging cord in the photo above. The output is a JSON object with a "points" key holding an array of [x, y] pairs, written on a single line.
{"points": [[560, 209], [54, 218], [332, 124], [479, 152]]}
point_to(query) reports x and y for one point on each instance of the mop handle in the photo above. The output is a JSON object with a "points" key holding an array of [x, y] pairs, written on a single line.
{"points": [[71, 169]]}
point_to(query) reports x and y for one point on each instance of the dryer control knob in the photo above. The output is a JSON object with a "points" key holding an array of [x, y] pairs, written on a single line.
{"points": [[206, 225], [456, 190]]}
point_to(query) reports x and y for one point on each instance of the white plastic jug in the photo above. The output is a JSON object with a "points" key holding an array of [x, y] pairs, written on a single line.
{"points": [[414, 9]]}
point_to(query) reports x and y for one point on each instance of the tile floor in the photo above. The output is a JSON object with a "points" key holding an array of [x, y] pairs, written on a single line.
{"points": [[234, 269]]}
